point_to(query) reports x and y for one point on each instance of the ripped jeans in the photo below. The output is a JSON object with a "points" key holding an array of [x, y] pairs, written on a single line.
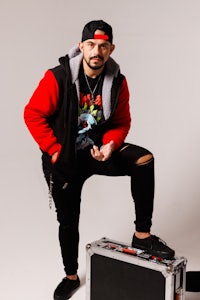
{"points": [[67, 200]]}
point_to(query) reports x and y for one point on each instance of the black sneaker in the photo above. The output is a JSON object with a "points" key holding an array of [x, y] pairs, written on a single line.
{"points": [[154, 246], [66, 288]]}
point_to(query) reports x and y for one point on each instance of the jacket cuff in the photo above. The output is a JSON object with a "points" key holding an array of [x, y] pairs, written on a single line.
{"points": [[54, 148]]}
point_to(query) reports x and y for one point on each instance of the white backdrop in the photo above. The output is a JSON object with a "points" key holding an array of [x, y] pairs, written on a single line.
{"points": [[157, 46]]}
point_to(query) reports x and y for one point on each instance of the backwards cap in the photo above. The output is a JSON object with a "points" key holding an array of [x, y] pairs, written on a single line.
{"points": [[90, 28]]}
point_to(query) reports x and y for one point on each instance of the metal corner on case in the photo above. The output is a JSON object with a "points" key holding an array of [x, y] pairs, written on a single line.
{"points": [[88, 246]]}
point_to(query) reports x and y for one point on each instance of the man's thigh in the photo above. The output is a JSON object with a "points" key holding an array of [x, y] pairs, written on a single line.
{"points": [[119, 164]]}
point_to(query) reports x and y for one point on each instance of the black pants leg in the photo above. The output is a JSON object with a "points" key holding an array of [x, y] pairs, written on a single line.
{"points": [[142, 184], [142, 187], [67, 201]]}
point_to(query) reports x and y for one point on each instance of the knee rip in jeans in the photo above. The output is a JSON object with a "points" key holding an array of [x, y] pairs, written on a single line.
{"points": [[124, 148], [144, 160]]}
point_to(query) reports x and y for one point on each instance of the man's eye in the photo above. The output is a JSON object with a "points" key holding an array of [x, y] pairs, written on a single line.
{"points": [[90, 44], [104, 46]]}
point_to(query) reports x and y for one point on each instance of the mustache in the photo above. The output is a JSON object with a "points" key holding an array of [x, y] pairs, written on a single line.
{"points": [[97, 56]]}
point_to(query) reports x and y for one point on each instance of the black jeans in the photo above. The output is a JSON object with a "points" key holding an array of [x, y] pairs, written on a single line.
{"points": [[67, 200]]}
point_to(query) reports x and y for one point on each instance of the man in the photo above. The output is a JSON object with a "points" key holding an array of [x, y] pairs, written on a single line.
{"points": [[79, 115]]}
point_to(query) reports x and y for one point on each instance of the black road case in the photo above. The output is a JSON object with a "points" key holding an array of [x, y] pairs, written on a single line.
{"points": [[116, 271]]}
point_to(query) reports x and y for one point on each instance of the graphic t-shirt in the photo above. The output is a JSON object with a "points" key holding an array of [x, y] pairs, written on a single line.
{"points": [[90, 107]]}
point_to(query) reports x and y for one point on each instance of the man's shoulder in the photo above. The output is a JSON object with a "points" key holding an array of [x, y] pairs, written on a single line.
{"points": [[62, 70], [63, 67], [59, 74], [58, 70]]}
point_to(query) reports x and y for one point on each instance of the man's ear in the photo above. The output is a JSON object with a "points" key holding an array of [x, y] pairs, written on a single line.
{"points": [[112, 48], [80, 45]]}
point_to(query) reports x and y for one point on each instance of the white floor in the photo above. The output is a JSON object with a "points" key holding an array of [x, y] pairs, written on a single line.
{"points": [[80, 294], [30, 260], [35, 276]]}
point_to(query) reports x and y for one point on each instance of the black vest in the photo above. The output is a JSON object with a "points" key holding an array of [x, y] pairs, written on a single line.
{"points": [[64, 123]]}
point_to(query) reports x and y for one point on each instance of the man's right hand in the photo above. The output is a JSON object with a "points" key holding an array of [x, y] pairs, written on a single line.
{"points": [[54, 157], [104, 153]]}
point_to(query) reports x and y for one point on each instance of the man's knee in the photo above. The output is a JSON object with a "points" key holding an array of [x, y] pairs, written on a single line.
{"points": [[143, 160]]}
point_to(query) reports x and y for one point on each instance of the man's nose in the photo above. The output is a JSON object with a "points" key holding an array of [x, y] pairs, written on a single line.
{"points": [[97, 49]]}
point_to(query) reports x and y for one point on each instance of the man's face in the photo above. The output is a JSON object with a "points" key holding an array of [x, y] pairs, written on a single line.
{"points": [[96, 51]]}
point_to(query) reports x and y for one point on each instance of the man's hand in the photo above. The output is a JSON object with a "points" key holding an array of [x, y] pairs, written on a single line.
{"points": [[104, 153], [54, 157]]}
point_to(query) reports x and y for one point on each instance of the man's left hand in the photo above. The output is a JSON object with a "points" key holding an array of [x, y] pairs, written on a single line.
{"points": [[104, 153]]}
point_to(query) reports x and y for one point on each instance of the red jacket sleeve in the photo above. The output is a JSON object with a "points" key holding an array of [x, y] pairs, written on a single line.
{"points": [[43, 104], [121, 119]]}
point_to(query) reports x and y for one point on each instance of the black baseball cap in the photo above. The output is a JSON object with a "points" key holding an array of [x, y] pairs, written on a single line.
{"points": [[90, 28]]}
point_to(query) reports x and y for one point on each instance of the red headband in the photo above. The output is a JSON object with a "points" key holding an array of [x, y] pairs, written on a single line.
{"points": [[101, 37]]}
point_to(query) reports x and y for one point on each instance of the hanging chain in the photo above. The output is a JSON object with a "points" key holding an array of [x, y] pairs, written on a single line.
{"points": [[50, 191], [89, 87]]}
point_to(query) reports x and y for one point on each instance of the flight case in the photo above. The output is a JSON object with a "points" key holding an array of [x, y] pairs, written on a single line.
{"points": [[116, 271]]}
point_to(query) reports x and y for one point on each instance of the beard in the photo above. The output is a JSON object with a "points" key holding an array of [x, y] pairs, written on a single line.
{"points": [[94, 67]]}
